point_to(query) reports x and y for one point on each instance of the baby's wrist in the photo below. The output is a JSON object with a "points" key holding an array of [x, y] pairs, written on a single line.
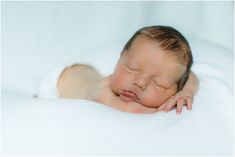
{"points": [[190, 90]]}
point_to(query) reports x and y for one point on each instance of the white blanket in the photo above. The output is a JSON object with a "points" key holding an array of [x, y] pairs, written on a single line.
{"points": [[78, 127]]}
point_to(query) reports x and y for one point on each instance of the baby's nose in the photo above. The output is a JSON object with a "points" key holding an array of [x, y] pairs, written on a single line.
{"points": [[141, 82]]}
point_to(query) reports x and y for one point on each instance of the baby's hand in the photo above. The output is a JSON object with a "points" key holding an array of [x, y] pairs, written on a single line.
{"points": [[183, 97]]}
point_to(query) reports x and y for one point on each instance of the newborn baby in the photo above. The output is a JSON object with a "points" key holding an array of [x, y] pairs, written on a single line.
{"points": [[152, 74]]}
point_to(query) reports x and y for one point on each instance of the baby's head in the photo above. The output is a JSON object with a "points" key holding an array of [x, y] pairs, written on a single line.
{"points": [[154, 64]]}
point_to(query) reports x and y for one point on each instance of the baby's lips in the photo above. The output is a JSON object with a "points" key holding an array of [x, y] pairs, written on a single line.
{"points": [[130, 94]]}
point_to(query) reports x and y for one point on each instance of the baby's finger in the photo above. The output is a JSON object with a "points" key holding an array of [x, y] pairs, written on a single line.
{"points": [[180, 104], [170, 104], [189, 101]]}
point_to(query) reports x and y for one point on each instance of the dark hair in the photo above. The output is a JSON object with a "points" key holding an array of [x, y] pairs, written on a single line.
{"points": [[169, 39]]}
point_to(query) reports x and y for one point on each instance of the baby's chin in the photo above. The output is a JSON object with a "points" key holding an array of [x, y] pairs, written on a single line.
{"points": [[127, 99], [150, 106]]}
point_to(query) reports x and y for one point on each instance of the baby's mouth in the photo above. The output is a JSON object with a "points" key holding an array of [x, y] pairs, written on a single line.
{"points": [[129, 94]]}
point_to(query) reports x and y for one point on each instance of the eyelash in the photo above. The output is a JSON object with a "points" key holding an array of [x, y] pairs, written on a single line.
{"points": [[159, 85], [132, 69]]}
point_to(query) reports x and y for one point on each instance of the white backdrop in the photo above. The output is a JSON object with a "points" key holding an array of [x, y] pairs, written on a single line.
{"points": [[35, 33]]}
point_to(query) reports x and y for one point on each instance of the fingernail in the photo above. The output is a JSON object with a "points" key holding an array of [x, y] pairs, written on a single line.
{"points": [[178, 113]]}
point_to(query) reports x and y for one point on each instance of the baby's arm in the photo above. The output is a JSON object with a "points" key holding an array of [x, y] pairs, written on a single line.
{"points": [[185, 96]]}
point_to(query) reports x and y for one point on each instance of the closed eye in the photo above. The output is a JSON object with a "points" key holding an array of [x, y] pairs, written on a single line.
{"points": [[130, 68], [159, 85]]}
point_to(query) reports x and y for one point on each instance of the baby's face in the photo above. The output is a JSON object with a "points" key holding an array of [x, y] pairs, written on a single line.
{"points": [[146, 74]]}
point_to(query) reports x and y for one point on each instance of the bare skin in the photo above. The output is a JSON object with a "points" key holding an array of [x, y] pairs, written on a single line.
{"points": [[73, 84], [77, 81], [84, 82]]}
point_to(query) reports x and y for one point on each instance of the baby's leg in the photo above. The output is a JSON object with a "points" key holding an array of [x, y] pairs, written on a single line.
{"points": [[77, 80]]}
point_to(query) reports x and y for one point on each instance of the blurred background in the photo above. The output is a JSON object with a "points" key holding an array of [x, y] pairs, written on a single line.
{"points": [[38, 35]]}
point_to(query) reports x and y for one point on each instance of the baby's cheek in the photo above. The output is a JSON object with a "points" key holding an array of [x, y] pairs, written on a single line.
{"points": [[118, 81], [121, 77], [153, 99]]}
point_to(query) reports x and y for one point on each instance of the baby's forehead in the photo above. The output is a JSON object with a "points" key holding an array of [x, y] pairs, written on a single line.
{"points": [[172, 48], [144, 43], [141, 40]]}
